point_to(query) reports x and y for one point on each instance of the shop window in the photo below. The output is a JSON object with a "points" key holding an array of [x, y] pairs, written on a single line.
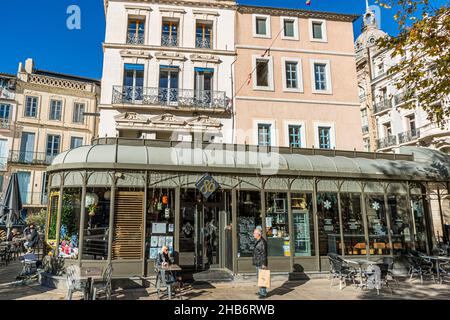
{"points": [[401, 224], [277, 225], [377, 224], [328, 220], [353, 225], [249, 217], [96, 226], [419, 222], [302, 213], [70, 223], [160, 226]]}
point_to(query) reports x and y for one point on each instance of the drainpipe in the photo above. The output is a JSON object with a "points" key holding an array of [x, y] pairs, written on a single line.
{"points": [[233, 99]]}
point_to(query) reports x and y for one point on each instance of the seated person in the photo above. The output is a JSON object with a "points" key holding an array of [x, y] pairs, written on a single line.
{"points": [[32, 237], [164, 259]]}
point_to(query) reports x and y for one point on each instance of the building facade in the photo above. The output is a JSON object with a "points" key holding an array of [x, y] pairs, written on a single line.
{"points": [[168, 70], [8, 107], [49, 117], [386, 126], [296, 79]]}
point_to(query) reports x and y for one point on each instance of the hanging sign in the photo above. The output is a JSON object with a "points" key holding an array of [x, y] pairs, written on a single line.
{"points": [[207, 185]]}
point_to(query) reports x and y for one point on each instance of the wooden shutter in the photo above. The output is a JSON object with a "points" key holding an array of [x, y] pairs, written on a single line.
{"points": [[128, 225]]}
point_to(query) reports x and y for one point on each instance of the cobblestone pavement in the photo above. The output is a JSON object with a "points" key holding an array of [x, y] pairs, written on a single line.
{"points": [[313, 289]]}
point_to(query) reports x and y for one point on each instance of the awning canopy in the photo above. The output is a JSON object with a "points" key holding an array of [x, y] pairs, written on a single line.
{"points": [[428, 165]]}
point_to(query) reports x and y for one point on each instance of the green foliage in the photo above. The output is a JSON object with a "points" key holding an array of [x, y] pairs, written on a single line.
{"points": [[424, 44], [37, 218], [68, 216]]}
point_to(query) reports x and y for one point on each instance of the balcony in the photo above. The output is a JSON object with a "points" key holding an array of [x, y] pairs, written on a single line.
{"points": [[386, 142], [176, 98], [3, 163], [5, 124], [30, 158], [401, 99], [169, 41], [381, 106], [7, 94], [203, 43], [408, 136], [137, 39]]}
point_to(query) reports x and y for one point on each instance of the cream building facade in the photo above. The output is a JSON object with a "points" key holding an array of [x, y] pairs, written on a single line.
{"points": [[168, 70], [386, 126], [296, 79], [51, 115]]}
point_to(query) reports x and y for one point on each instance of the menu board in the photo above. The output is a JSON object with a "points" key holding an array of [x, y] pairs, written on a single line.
{"points": [[246, 225]]}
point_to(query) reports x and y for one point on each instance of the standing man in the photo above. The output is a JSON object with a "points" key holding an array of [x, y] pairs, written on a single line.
{"points": [[260, 258]]}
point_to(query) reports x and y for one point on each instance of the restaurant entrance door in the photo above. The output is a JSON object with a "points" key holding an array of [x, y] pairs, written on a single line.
{"points": [[203, 224]]}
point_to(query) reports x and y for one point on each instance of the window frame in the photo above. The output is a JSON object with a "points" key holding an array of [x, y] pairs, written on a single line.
{"points": [[73, 113], [270, 79], [301, 124], [324, 30], [26, 107], [50, 113], [51, 135], [296, 27], [4, 107], [329, 82], [299, 88], [273, 135], [72, 138], [268, 28], [330, 125], [205, 23], [140, 20]]}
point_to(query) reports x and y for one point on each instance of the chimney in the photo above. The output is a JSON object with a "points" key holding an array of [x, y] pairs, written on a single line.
{"points": [[29, 65]]}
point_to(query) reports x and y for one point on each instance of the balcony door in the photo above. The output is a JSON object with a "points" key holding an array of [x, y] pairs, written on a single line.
{"points": [[168, 85], [26, 147], [133, 83], [203, 85], [3, 154], [24, 179]]}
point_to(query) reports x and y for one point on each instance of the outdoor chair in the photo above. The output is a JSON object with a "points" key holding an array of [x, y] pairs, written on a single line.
{"points": [[164, 281], [419, 266], [389, 262], [73, 282], [339, 270], [374, 278], [104, 286]]}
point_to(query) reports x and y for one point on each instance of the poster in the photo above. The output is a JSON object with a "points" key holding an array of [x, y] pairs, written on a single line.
{"points": [[269, 222], [154, 241], [171, 228], [161, 241], [153, 253], [159, 228], [169, 242]]}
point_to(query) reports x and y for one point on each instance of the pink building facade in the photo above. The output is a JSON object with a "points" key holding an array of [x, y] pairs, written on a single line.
{"points": [[295, 79]]}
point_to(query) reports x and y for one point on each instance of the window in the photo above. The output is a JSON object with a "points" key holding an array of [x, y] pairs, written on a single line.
{"points": [[302, 213], [401, 224], [136, 30], [318, 30], [263, 74], [203, 35], [249, 218], [353, 225], [295, 136], [411, 123], [291, 75], [261, 26], [328, 220], [53, 144], [5, 111], [78, 113], [320, 76], [324, 137], [31, 105], [277, 225], [169, 37], [133, 82], [55, 110], [290, 28], [377, 225], [76, 142], [387, 129], [264, 134]]}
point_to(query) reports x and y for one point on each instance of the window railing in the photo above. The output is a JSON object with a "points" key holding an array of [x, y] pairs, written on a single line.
{"points": [[387, 142], [203, 43], [3, 163], [169, 40], [170, 97], [133, 38], [5, 93], [408, 136], [5, 123], [381, 106], [29, 157]]}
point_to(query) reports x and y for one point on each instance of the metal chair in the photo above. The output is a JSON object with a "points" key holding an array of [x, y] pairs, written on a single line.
{"points": [[339, 270], [73, 282], [419, 266], [164, 280], [104, 285], [389, 262], [374, 278]]}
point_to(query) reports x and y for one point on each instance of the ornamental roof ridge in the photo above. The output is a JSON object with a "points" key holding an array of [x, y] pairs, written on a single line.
{"points": [[223, 4]]}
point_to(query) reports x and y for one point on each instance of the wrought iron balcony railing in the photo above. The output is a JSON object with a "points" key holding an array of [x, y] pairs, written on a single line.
{"points": [[203, 43], [408, 136], [133, 38], [28, 157], [387, 142], [170, 97], [169, 41], [5, 123], [381, 106]]}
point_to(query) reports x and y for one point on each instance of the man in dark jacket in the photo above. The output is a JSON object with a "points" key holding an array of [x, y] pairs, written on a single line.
{"points": [[260, 258], [32, 237]]}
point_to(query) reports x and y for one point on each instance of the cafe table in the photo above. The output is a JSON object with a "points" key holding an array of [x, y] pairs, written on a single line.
{"points": [[89, 275], [360, 263], [161, 276], [437, 260]]}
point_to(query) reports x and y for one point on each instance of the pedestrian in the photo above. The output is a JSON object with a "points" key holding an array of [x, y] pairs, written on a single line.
{"points": [[260, 258], [31, 237]]}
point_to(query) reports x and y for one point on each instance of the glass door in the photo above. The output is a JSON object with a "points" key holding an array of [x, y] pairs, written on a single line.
{"points": [[24, 185], [168, 85], [203, 86], [133, 83]]}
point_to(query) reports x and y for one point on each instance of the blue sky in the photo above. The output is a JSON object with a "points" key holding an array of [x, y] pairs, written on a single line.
{"points": [[38, 30]]}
